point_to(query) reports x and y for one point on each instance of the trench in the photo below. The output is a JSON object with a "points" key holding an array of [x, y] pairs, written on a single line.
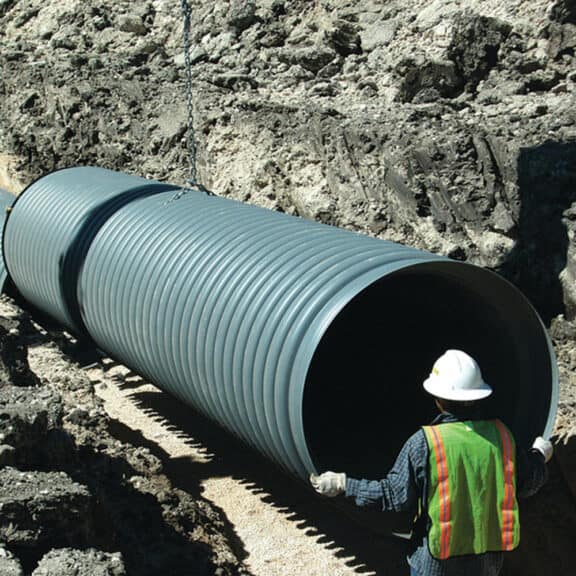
{"points": [[364, 395]]}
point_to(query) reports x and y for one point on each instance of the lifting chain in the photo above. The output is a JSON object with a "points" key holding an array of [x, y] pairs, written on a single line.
{"points": [[191, 136]]}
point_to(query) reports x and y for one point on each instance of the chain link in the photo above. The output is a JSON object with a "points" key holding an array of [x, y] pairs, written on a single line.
{"points": [[191, 137], [193, 183]]}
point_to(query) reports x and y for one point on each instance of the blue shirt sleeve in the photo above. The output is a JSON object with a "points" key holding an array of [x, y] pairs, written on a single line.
{"points": [[402, 487]]}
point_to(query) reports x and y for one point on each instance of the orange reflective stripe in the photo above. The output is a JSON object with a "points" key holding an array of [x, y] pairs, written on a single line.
{"points": [[508, 503], [443, 490]]}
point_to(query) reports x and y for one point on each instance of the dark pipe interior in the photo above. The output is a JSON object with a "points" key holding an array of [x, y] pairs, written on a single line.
{"points": [[364, 395]]}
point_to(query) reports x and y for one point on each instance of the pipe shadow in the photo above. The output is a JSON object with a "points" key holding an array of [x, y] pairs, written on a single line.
{"points": [[135, 523], [122, 432], [547, 189], [360, 537]]}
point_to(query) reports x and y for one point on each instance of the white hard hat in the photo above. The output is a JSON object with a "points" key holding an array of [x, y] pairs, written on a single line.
{"points": [[456, 376]]}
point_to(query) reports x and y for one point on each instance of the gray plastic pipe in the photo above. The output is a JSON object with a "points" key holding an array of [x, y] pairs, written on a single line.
{"points": [[306, 341]]}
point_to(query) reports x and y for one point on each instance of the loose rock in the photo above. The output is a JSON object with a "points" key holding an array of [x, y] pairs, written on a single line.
{"points": [[70, 562]]}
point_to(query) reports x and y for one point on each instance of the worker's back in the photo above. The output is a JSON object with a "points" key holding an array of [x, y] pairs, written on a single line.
{"points": [[471, 499]]}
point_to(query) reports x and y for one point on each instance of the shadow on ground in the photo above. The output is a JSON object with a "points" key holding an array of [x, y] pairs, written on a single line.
{"points": [[363, 538]]}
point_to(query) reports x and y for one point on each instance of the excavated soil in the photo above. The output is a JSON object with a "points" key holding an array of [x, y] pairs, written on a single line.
{"points": [[446, 125]]}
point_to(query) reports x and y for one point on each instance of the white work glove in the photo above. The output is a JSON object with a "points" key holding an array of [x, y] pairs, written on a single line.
{"points": [[329, 484], [544, 447]]}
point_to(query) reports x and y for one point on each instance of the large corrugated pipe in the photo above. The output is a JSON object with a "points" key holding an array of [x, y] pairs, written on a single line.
{"points": [[307, 341]]}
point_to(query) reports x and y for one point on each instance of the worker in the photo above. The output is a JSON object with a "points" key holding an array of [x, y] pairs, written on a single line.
{"points": [[459, 476]]}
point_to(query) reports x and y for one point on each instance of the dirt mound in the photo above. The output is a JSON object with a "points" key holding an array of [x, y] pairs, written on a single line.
{"points": [[444, 125]]}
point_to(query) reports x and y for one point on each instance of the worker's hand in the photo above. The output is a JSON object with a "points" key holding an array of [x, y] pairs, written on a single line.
{"points": [[544, 447], [329, 484]]}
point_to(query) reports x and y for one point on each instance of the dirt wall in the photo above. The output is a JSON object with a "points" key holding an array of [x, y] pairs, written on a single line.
{"points": [[446, 125]]}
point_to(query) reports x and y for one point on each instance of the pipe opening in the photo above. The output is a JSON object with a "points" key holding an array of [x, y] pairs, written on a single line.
{"points": [[363, 396]]}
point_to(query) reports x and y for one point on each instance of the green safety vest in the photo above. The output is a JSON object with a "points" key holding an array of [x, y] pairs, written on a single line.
{"points": [[471, 489]]}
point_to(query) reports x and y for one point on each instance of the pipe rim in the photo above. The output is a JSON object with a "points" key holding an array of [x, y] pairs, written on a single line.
{"points": [[334, 307]]}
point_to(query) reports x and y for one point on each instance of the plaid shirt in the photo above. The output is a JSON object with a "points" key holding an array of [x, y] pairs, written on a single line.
{"points": [[406, 485]]}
